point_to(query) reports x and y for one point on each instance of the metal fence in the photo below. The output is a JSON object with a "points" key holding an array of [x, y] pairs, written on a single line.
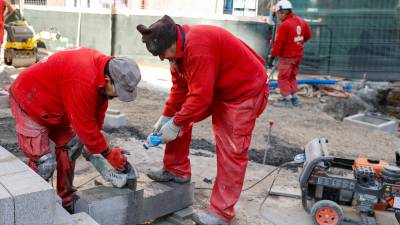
{"points": [[352, 38]]}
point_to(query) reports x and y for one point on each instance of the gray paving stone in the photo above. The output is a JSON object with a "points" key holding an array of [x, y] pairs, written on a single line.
{"points": [[114, 119], [33, 197], [62, 217], [6, 207], [183, 214], [176, 221], [166, 198], [111, 206], [83, 219]]}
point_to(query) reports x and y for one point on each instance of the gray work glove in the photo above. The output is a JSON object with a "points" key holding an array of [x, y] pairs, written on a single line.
{"points": [[161, 121], [75, 147], [46, 165], [169, 131]]}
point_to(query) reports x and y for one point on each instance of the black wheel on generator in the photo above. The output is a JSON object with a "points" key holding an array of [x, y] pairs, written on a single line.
{"points": [[8, 56], [326, 212]]}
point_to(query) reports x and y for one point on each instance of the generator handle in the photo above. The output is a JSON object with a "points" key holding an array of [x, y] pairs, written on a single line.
{"points": [[305, 176]]}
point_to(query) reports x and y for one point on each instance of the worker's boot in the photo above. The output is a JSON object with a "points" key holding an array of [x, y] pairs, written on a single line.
{"points": [[165, 176], [295, 100], [207, 218], [284, 102]]}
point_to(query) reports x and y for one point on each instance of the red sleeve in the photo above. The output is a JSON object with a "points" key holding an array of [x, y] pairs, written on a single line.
{"points": [[101, 114], [307, 32], [279, 41], [80, 102], [201, 80], [177, 95]]}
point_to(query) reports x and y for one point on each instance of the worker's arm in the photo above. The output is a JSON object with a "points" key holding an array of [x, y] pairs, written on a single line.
{"points": [[8, 10], [201, 79], [177, 95], [307, 32], [81, 101], [279, 41]]}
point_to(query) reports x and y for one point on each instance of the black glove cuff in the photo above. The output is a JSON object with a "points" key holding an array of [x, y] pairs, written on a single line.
{"points": [[105, 152]]}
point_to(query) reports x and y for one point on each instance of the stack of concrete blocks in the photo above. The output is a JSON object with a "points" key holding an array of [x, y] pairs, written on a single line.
{"points": [[114, 119], [4, 100], [25, 198], [111, 206]]}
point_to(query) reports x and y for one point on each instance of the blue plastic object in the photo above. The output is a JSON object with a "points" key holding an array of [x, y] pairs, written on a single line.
{"points": [[274, 84], [152, 141]]}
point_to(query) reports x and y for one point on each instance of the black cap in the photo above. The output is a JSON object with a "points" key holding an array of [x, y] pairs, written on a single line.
{"points": [[159, 36]]}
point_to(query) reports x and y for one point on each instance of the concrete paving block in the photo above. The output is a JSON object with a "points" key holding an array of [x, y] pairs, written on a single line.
{"points": [[176, 221], [6, 207], [163, 199], [34, 199], [373, 122], [83, 219], [111, 206], [9, 164], [183, 214], [4, 101], [162, 223], [114, 119], [62, 217]]}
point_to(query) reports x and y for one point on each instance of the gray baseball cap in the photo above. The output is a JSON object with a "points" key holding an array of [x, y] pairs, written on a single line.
{"points": [[126, 76]]}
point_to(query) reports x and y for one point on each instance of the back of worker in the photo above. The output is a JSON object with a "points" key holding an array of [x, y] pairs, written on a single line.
{"points": [[237, 65]]}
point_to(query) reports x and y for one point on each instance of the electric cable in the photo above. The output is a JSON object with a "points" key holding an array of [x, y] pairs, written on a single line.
{"points": [[86, 182]]}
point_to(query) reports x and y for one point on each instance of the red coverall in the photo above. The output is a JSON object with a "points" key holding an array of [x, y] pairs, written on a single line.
{"points": [[219, 75], [2, 9], [56, 98], [291, 36]]}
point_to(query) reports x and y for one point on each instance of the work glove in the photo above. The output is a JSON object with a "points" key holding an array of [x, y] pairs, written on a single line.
{"points": [[161, 121], [75, 147], [116, 158], [169, 131], [271, 62]]}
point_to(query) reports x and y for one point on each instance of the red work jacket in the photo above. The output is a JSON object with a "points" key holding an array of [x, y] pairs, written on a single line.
{"points": [[291, 36], [66, 89], [211, 65]]}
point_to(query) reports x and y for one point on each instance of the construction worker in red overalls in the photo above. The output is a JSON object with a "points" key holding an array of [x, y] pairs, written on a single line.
{"points": [[288, 46], [63, 99], [213, 74]]}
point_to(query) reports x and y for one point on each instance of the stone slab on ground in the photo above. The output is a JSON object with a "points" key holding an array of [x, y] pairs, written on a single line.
{"points": [[111, 206], [114, 119], [4, 102], [33, 197], [165, 198], [6, 207], [62, 217]]}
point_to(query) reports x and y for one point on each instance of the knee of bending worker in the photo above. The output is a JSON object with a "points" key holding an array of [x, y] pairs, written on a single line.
{"points": [[46, 165]]}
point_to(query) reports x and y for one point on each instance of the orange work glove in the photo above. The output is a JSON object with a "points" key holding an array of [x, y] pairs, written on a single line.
{"points": [[116, 158]]}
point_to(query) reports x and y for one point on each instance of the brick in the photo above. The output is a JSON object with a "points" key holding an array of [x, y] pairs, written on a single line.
{"points": [[114, 119], [111, 206], [165, 198], [33, 197], [6, 207], [83, 219]]}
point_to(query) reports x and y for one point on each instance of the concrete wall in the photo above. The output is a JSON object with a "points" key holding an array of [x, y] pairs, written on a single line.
{"points": [[96, 30]]}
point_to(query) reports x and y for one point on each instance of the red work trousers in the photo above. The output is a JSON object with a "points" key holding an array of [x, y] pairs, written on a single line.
{"points": [[233, 124], [288, 69], [34, 141]]}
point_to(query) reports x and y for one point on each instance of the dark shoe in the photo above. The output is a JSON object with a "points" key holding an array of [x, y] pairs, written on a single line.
{"points": [[207, 218], [295, 100], [283, 103], [165, 176]]}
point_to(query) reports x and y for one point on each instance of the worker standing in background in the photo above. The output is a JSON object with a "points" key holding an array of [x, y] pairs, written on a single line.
{"points": [[64, 99], [6, 10], [213, 73], [288, 46]]}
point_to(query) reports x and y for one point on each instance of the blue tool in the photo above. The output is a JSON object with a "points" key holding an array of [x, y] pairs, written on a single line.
{"points": [[152, 141]]}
